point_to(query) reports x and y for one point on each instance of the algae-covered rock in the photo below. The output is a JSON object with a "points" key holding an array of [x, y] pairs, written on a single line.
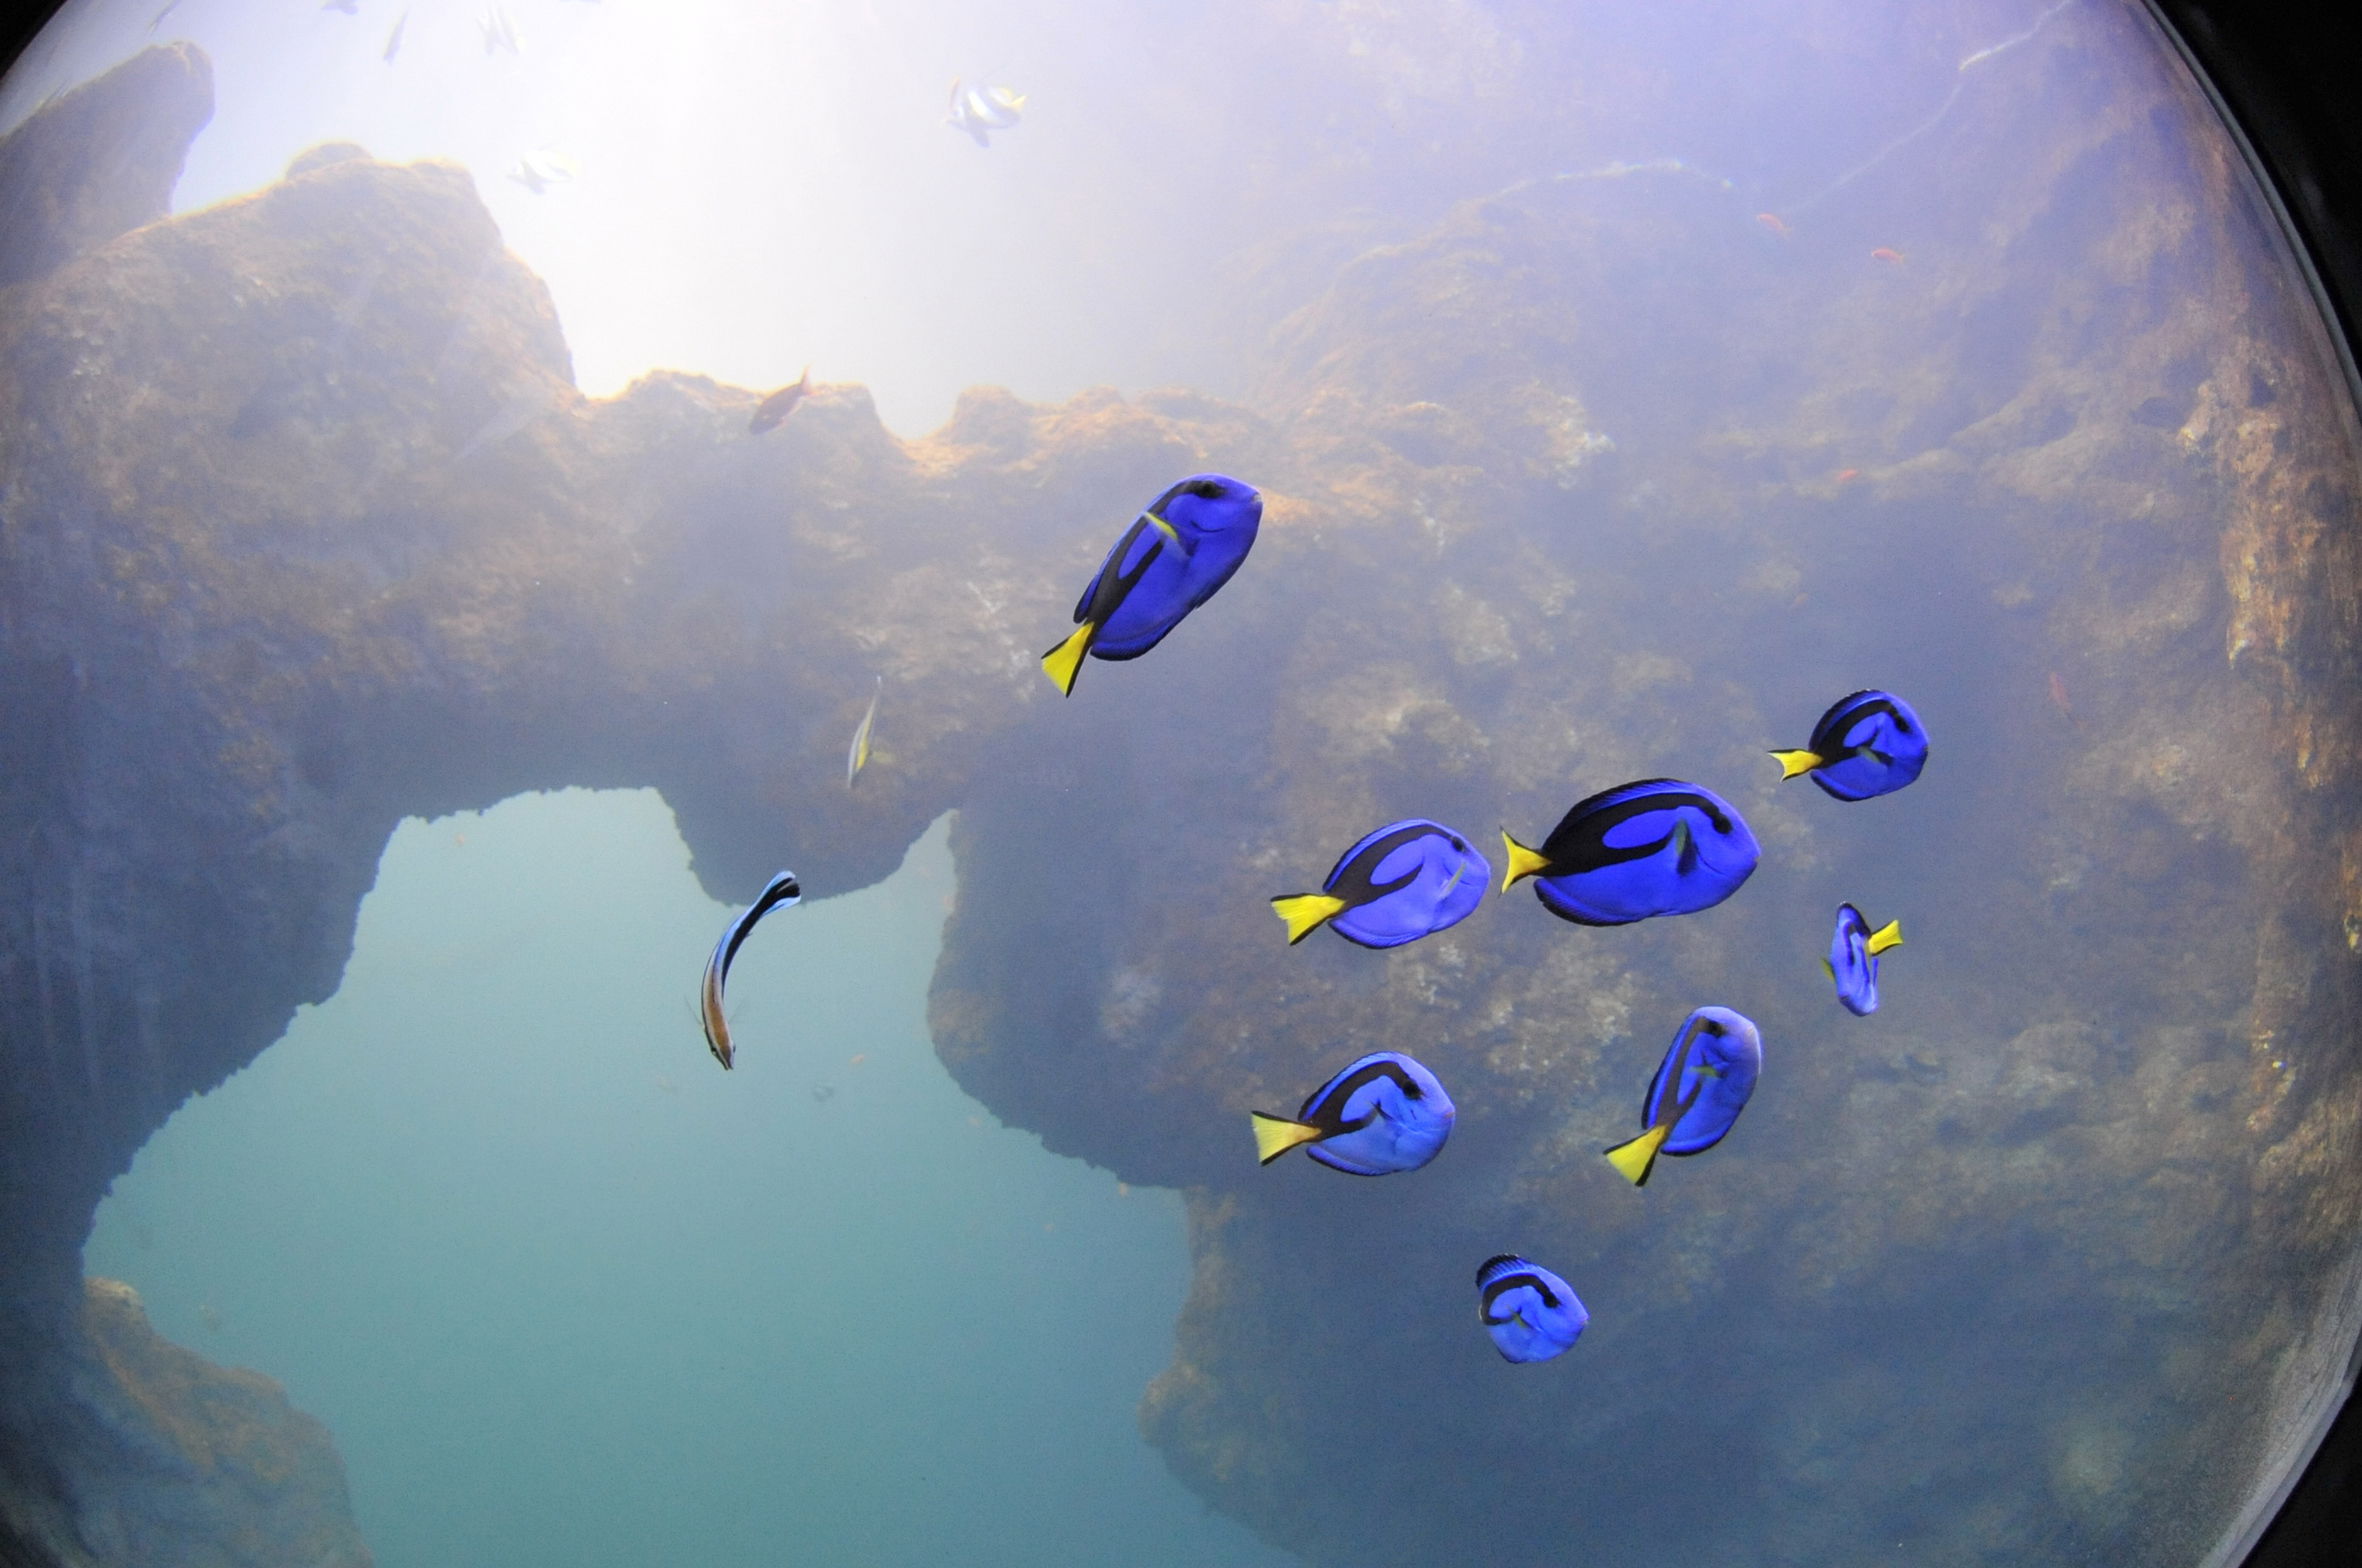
{"points": [[257, 1482], [100, 159]]}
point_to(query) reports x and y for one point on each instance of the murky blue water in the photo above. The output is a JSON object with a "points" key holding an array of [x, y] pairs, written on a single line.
{"points": [[565, 1294]]}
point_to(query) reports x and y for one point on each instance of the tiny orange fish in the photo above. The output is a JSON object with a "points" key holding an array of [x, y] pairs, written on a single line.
{"points": [[774, 409], [1883, 253], [857, 1058], [1846, 476], [1771, 221], [2058, 698]]}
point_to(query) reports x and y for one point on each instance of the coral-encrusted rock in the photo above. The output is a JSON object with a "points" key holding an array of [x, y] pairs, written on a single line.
{"points": [[253, 1482], [101, 159]]}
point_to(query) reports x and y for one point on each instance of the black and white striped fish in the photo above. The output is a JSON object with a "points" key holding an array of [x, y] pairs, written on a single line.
{"points": [[782, 892]]}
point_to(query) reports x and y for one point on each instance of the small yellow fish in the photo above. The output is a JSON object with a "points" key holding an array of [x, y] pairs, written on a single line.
{"points": [[857, 755]]}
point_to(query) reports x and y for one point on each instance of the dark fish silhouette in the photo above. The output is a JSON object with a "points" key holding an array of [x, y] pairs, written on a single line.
{"points": [[773, 410]]}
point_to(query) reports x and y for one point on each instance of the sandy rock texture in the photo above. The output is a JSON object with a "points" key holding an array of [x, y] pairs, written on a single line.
{"points": [[252, 1480], [1600, 477], [100, 159]]}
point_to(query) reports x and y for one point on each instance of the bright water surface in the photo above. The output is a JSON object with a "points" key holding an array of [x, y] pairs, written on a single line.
{"points": [[567, 1295]]}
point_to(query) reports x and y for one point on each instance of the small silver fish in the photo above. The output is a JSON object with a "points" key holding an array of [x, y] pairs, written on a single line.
{"points": [[498, 31], [982, 110], [393, 40], [540, 169], [857, 755]]}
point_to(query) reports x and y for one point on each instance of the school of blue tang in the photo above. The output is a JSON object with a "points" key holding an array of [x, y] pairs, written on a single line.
{"points": [[1637, 851]]}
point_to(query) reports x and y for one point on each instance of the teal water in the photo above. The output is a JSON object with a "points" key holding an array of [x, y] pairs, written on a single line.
{"points": [[566, 1293]]}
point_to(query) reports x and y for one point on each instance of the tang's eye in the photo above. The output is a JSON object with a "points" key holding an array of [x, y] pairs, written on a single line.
{"points": [[1206, 488]]}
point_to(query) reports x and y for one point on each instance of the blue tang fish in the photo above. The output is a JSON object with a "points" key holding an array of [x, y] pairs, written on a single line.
{"points": [[1853, 958], [1531, 1313], [1171, 560], [1699, 1090], [1407, 880], [1383, 1113], [1658, 847], [782, 892], [1870, 743]]}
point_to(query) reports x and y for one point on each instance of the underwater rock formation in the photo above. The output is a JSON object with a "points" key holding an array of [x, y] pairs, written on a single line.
{"points": [[101, 159], [255, 1483], [304, 528]]}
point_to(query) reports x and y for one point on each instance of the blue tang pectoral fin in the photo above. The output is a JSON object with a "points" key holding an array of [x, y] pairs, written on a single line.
{"points": [[1685, 854]]}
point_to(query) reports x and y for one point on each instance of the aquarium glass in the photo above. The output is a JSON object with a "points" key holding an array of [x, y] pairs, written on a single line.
{"points": [[1558, 782]]}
